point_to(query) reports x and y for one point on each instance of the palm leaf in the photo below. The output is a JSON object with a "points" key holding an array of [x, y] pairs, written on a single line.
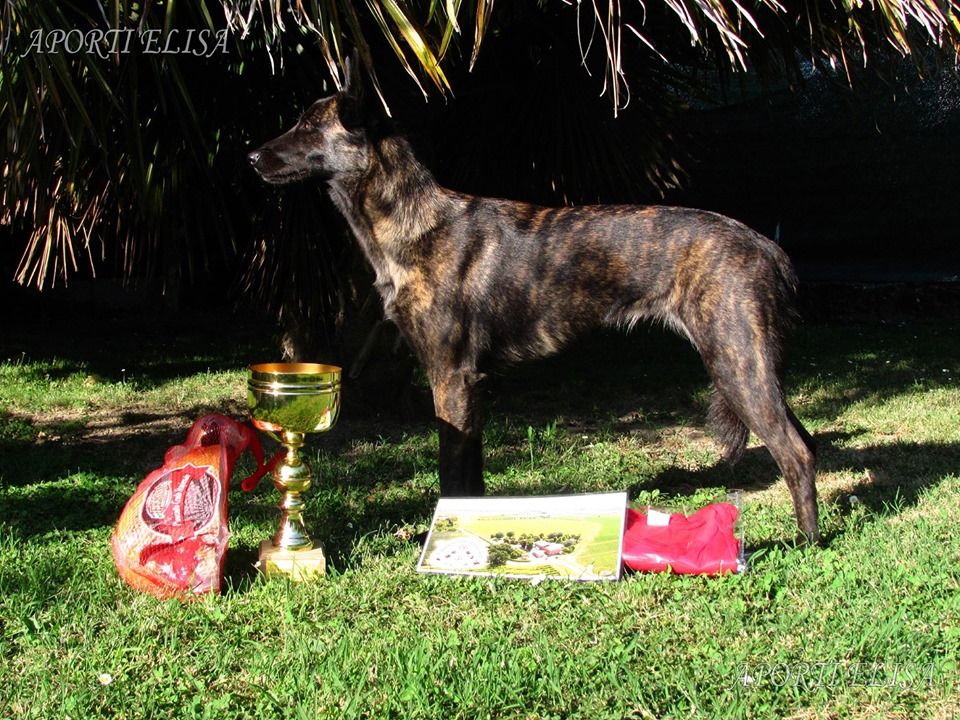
{"points": [[482, 12], [731, 29], [117, 160], [98, 151], [419, 47]]}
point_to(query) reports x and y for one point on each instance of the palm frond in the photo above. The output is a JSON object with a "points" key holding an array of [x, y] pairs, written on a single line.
{"points": [[113, 158], [101, 146], [420, 34]]}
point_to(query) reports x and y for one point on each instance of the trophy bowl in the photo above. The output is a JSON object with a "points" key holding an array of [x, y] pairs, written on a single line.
{"points": [[289, 401], [294, 397]]}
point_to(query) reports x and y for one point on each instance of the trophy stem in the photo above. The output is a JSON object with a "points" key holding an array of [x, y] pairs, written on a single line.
{"points": [[293, 478], [293, 399]]}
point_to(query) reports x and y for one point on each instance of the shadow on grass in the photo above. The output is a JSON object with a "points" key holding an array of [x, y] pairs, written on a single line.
{"points": [[144, 345], [607, 383], [131, 442], [348, 533], [893, 476], [79, 487], [240, 568]]}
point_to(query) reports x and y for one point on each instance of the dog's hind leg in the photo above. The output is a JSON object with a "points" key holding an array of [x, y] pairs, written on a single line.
{"points": [[729, 429], [456, 399], [749, 395]]}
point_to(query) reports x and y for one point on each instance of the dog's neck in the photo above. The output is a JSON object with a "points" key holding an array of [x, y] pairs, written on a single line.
{"points": [[391, 206], [377, 202]]}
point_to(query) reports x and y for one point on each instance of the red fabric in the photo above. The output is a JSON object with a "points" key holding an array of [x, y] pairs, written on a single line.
{"points": [[701, 544], [171, 538]]}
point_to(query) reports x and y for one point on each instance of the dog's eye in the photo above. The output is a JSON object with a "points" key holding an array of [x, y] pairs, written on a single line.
{"points": [[308, 121]]}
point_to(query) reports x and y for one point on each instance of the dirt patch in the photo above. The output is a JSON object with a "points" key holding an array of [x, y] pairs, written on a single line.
{"points": [[100, 425], [134, 438]]}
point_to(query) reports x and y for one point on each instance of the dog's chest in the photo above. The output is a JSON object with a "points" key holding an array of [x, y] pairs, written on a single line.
{"points": [[403, 288]]}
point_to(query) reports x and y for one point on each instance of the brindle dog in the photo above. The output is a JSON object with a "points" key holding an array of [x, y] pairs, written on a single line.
{"points": [[472, 280]]}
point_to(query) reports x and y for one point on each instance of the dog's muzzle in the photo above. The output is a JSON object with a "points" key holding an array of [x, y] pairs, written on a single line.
{"points": [[265, 163]]}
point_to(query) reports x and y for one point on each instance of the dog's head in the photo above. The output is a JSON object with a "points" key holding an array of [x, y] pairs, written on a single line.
{"points": [[329, 140]]}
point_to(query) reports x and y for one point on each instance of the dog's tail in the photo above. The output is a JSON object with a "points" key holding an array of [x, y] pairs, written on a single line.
{"points": [[729, 429]]}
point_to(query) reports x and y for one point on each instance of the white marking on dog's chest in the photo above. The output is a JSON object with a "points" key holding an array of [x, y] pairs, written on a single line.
{"points": [[391, 279]]}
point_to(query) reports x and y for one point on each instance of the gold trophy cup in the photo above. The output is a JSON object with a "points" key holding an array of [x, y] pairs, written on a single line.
{"points": [[288, 401]]}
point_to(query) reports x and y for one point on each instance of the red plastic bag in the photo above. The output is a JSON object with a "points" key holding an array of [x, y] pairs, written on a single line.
{"points": [[171, 538], [703, 543]]}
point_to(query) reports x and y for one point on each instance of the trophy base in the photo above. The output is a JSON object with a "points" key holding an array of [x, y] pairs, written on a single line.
{"points": [[296, 565]]}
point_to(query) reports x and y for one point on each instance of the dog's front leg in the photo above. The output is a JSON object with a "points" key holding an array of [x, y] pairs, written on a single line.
{"points": [[456, 399]]}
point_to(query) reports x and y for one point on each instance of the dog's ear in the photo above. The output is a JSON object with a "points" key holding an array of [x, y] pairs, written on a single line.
{"points": [[351, 104]]}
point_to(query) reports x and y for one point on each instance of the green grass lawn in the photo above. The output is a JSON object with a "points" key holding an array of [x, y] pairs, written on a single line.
{"points": [[866, 627]]}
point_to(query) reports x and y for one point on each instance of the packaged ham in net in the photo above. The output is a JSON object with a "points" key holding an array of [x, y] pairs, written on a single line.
{"points": [[171, 538]]}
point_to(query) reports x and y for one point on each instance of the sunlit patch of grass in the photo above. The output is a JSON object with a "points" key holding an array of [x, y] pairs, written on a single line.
{"points": [[39, 387]]}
